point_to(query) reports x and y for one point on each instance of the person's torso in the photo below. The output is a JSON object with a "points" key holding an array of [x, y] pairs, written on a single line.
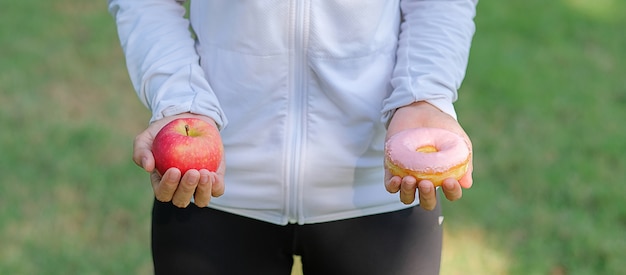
{"points": [[302, 85]]}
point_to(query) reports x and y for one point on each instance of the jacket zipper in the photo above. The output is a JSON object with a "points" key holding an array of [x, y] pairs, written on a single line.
{"points": [[297, 112]]}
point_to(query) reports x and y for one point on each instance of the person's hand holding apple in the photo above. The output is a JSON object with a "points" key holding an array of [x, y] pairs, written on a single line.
{"points": [[195, 180]]}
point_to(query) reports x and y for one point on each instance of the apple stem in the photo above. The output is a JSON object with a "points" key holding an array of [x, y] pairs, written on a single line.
{"points": [[187, 129]]}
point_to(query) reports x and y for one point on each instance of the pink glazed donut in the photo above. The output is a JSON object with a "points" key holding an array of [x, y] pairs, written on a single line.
{"points": [[427, 154]]}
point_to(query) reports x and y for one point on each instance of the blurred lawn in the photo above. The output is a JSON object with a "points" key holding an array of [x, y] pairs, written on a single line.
{"points": [[544, 101]]}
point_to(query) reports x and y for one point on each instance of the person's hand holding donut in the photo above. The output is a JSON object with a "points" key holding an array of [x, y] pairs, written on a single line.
{"points": [[419, 115], [172, 186]]}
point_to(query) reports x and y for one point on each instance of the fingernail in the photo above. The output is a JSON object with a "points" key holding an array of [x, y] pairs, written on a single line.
{"points": [[204, 178], [425, 188], [173, 176]]}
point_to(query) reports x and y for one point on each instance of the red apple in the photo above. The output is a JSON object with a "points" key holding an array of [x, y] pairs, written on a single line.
{"points": [[187, 143]]}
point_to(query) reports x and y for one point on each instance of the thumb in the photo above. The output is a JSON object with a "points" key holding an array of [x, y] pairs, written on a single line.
{"points": [[142, 151], [147, 163]]}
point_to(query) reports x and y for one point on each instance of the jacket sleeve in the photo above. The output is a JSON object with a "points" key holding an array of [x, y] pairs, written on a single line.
{"points": [[162, 60], [432, 55]]}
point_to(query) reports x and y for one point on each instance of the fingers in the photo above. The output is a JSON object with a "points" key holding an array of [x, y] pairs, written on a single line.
{"points": [[172, 187], [202, 195], [407, 187], [217, 185], [407, 190], [211, 185], [165, 187], [393, 184], [427, 192], [217, 179], [427, 195], [186, 188], [452, 189], [201, 185]]}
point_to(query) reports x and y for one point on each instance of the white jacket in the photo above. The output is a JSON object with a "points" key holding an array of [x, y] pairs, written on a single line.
{"points": [[301, 90]]}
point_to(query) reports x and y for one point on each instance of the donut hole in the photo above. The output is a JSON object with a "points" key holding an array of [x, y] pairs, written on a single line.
{"points": [[427, 149]]}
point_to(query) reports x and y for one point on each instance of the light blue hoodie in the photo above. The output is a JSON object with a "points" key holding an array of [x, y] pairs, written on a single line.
{"points": [[302, 90]]}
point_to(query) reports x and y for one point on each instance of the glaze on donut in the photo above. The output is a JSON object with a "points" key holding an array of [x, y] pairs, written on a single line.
{"points": [[427, 154]]}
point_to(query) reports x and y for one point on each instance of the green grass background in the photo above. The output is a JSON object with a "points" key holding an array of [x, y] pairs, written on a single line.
{"points": [[544, 102]]}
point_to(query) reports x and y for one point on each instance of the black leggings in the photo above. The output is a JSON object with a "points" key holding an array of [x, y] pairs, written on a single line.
{"points": [[207, 241]]}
